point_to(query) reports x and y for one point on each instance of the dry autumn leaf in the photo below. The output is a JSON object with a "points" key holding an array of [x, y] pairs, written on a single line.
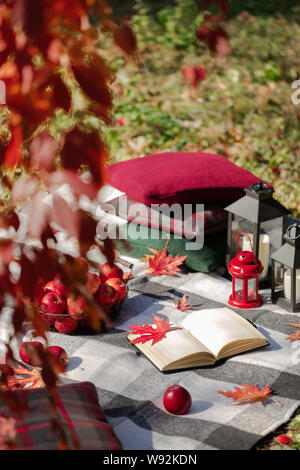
{"points": [[250, 394], [160, 263], [183, 304], [147, 332], [295, 336], [25, 378]]}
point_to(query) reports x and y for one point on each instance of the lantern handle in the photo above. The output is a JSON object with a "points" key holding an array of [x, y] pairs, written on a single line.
{"points": [[294, 228], [238, 239]]}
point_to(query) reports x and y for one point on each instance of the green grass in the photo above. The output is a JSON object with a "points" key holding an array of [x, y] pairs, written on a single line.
{"points": [[243, 110]]}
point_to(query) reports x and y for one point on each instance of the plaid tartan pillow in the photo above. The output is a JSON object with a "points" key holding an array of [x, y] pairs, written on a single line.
{"points": [[81, 416]]}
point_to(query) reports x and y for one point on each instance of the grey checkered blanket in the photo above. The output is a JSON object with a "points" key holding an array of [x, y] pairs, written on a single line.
{"points": [[131, 389]]}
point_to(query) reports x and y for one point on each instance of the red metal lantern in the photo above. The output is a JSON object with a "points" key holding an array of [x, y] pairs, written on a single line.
{"points": [[245, 270]]}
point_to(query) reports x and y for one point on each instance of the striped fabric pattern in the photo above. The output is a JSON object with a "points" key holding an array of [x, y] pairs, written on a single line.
{"points": [[130, 388]]}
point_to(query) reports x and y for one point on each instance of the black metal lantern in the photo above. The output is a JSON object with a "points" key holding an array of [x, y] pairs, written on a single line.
{"points": [[286, 271], [264, 221]]}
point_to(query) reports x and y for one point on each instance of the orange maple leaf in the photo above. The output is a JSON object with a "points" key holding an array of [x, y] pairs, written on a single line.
{"points": [[160, 263], [250, 394], [25, 378], [127, 277], [183, 304], [295, 336], [148, 257], [147, 332]]}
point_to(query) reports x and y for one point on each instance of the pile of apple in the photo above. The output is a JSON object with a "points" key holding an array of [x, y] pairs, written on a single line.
{"points": [[62, 311]]}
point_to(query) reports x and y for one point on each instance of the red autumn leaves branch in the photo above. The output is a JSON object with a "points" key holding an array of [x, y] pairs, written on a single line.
{"points": [[45, 46]]}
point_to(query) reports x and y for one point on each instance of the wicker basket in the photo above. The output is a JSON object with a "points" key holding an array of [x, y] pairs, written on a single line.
{"points": [[112, 310]]}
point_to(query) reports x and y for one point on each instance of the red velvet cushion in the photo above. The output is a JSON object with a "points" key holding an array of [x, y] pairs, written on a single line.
{"points": [[180, 177]]}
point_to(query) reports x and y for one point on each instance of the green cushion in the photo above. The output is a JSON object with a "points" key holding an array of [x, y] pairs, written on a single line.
{"points": [[207, 259]]}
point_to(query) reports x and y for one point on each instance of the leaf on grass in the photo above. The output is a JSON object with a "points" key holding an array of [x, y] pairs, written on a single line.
{"points": [[25, 378], [250, 394], [149, 333], [183, 304], [160, 263]]}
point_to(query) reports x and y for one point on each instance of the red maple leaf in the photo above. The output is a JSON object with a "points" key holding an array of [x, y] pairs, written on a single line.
{"points": [[147, 332], [160, 263], [183, 304], [25, 378], [250, 394]]}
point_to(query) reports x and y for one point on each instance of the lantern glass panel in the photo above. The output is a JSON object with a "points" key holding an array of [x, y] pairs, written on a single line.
{"points": [[278, 275], [252, 293], [273, 229], [239, 224], [287, 284], [238, 288]]}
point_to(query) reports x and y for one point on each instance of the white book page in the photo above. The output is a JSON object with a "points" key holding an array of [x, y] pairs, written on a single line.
{"points": [[175, 346], [217, 327]]}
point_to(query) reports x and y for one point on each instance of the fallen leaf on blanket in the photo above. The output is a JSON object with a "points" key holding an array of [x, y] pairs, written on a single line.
{"points": [[25, 378], [297, 325], [127, 277], [250, 394], [148, 257], [148, 332], [295, 336], [160, 263], [183, 304]]}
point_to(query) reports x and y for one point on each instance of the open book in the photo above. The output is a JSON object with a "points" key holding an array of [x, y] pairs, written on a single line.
{"points": [[205, 337]]}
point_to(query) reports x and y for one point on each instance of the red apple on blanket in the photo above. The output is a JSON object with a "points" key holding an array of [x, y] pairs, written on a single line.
{"points": [[119, 286], [59, 353], [29, 353], [66, 325], [93, 282], [75, 307], [53, 303], [57, 286], [107, 272], [177, 400], [106, 295]]}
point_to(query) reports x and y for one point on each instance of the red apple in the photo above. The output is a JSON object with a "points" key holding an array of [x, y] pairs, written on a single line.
{"points": [[53, 303], [93, 283], [177, 400], [107, 272], [59, 353], [56, 286], [119, 286], [29, 353], [66, 325], [106, 295], [75, 307]]}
